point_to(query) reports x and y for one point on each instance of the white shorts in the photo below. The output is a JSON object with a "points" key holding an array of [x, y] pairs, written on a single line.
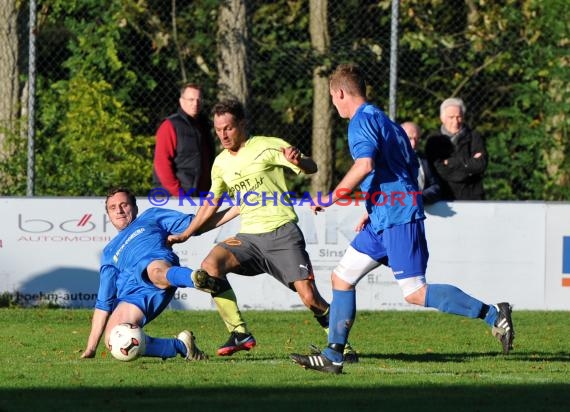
{"points": [[354, 265]]}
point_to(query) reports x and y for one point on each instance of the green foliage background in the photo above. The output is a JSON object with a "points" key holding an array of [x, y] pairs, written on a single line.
{"points": [[109, 72]]}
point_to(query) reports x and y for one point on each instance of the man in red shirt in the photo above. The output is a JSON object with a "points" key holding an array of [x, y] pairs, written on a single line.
{"points": [[184, 150]]}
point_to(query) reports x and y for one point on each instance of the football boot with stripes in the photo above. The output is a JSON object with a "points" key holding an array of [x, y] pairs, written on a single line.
{"points": [[349, 355], [504, 330], [317, 362]]}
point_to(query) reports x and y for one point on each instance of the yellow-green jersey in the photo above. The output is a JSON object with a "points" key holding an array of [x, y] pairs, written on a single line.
{"points": [[254, 178]]}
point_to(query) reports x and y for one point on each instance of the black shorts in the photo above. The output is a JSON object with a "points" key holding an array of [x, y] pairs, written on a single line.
{"points": [[280, 253]]}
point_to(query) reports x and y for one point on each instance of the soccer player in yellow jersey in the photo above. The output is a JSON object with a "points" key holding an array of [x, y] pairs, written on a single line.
{"points": [[250, 170]]}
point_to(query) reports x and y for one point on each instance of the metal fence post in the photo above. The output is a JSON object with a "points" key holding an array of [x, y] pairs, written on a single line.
{"points": [[393, 59], [31, 98]]}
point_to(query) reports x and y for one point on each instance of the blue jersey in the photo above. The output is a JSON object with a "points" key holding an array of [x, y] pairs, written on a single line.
{"points": [[392, 187], [126, 257]]}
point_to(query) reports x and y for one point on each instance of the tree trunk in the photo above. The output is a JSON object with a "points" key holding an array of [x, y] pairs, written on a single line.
{"points": [[322, 113], [232, 51], [558, 147], [8, 74]]}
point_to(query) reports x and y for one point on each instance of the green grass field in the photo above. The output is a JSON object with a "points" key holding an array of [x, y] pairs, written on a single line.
{"points": [[409, 361]]}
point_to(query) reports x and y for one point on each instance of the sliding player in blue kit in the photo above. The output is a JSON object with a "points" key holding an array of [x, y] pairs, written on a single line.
{"points": [[140, 273], [392, 230]]}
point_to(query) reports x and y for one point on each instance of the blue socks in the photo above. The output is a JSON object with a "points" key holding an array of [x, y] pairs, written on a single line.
{"points": [[491, 316], [180, 277], [450, 299], [445, 298], [164, 347], [341, 318]]}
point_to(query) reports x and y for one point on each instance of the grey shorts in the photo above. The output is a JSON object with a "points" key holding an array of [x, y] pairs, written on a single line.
{"points": [[280, 253]]}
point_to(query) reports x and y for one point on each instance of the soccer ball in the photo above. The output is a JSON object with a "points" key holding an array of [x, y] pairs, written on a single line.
{"points": [[126, 341]]}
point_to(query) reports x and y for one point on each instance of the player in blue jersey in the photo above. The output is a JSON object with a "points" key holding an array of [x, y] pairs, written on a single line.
{"points": [[139, 274], [392, 230]]}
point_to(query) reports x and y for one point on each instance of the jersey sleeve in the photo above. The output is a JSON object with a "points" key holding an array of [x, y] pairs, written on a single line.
{"points": [[107, 288], [172, 221], [363, 140], [274, 154]]}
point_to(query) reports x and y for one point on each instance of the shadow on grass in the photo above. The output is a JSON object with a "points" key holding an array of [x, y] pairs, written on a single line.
{"points": [[469, 356], [426, 398]]}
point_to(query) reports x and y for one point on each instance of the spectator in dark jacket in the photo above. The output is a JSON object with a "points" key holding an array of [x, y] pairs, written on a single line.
{"points": [[457, 154], [184, 150], [427, 181]]}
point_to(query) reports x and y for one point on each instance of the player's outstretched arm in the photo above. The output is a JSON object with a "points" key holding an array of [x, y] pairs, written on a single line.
{"points": [[355, 175], [97, 328], [205, 213], [220, 218]]}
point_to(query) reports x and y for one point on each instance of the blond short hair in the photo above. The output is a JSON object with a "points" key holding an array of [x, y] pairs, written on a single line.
{"points": [[350, 78]]}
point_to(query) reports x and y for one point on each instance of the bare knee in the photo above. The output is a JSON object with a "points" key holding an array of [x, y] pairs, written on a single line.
{"points": [[412, 299], [418, 297], [219, 262], [123, 313], [211, 266], [156, 271]]}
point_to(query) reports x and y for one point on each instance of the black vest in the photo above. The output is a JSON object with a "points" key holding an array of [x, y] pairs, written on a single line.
{"points": [[191, 140]]}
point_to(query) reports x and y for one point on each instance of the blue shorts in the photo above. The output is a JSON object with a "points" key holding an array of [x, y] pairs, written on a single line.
{"points": [[149, 299], [402, 247]]}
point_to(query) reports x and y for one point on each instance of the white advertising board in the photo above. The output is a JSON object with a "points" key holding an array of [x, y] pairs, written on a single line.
{"points": [[495, 251], [557, 257]]}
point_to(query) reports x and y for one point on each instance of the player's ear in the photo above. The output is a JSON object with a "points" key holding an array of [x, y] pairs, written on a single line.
{"points": [[337, 93]]}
